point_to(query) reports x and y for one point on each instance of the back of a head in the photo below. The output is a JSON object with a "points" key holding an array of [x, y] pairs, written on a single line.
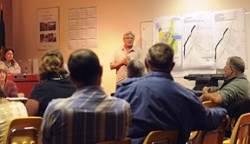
{"points": [[51, 65], [84, 66], [160, 57], [135, 68], [237, 63]]}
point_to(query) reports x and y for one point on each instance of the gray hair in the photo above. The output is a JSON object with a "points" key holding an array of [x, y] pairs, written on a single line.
{"points": [[237, 63], [129, 33], [160, 57], [135, 68]]}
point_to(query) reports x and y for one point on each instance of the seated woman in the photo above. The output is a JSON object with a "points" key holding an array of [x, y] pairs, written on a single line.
{"points": [[9, 87], [53, 84], [11, 64], [8, 111]]}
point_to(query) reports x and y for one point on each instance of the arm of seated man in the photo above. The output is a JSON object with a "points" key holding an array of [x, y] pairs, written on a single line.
{"points": [[214, 97]]}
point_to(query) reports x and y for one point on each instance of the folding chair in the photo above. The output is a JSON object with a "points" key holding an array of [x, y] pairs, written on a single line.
{"points": [[125, 141], [241, 131], [23, 130], [161, 137], [209, 137]]}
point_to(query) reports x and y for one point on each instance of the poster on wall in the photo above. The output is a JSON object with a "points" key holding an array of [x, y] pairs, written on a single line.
{"points": [[229, 35], [82, 27], [48, 28], [197, 41], [169, 30], [203, 40]]}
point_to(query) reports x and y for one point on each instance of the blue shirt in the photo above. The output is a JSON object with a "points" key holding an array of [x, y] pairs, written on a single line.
{"points": [[88, 116], [159, 103]]}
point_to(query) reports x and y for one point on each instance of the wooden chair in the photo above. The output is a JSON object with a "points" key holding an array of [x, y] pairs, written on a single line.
{"points": [[125, 141], [161, 137], [214, 136], [210, 137], [241, 131], [23, 130]]}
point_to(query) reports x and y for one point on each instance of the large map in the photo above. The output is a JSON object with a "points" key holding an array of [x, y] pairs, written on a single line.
{"points": [[203, 40], [168, 30]]}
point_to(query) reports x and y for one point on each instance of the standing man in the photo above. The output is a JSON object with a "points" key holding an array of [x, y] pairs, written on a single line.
{"points": [[123, 55], [159, 103], [89, 116]]}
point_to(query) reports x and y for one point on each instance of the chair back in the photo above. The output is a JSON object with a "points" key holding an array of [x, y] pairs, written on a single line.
{"points": [[161, 137], [210, 137], [214, 136], [23, 130], [124, 141], [241, 130]]}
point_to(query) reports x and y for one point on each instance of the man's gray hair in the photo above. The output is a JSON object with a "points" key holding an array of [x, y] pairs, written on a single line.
{"points": [[237, 63], [160, 57], [136, 68], [129, 33]]}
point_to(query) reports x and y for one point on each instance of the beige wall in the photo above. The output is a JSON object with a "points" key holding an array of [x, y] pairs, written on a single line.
{"points": [[114, 18]]}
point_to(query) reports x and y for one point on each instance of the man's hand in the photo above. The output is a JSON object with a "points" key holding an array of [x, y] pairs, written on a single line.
{"points": [[125, 60], [206, 90]]}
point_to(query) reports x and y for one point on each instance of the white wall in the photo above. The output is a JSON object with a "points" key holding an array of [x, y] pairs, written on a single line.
{"points": [[114, 18]]}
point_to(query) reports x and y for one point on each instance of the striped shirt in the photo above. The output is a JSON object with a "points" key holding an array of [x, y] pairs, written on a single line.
{"points": [[8, 111], [88, 116]]}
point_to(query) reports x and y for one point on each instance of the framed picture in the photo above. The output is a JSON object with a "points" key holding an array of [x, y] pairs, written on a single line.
{"points": [[48, 28]]}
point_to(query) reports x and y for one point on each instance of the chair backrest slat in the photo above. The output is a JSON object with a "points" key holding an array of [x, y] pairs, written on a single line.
{"points": [[125, 141], [162, 137]]}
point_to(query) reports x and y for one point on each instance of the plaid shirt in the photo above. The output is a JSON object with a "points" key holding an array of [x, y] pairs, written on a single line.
{"points": [[88, 116], [8, 111]]}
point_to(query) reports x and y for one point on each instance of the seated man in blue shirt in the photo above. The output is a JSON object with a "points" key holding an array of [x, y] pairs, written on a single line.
{"points": [[89, 115], [159, 103]]}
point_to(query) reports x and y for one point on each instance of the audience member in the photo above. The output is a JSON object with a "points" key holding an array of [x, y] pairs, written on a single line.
{"points": [[159, 103], [53, 84], [135, 68], [123, 55], [234, 91], [8, 111], [8, 86], [89, 115], [11, 64]]}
